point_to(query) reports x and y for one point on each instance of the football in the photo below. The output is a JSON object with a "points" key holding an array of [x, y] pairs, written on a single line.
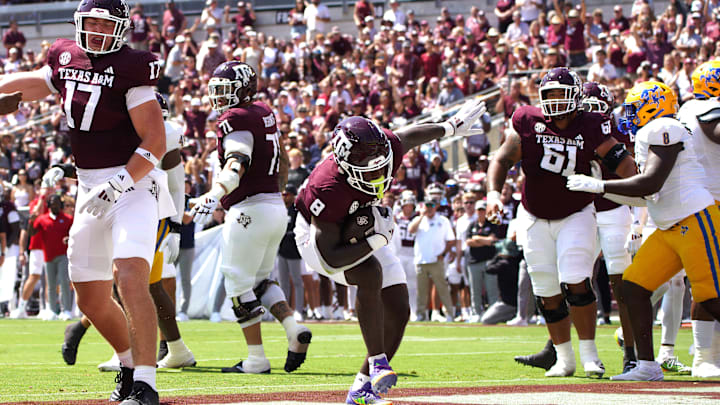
{"points": [[358, 226]]}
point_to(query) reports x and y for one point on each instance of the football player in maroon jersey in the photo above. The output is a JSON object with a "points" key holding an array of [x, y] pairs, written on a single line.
{"points": [[357, 174], [554, 141], [254, 172], [117, 134]]}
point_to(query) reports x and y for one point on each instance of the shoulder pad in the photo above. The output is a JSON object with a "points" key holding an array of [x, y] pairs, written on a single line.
{"points": [[664, 132], [709, 116]]}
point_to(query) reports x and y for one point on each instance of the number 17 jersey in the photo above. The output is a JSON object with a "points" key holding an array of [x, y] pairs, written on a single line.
{"points": [[96, 94], [550, 155]]}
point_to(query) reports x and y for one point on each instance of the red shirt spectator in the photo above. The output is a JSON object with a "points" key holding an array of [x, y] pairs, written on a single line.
{"points": [[406, 65], [244, 18], [172, 17], [35, 240], [13, 38], [53, 229], [431, 61], [619, 22]]}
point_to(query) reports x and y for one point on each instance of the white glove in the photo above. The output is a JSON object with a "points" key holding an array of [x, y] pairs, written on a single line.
{"points": [[493, 200], [581, 182], [103, 196], [595, 169], [384, 224], [462, 122], [172, 247], [52, 176], [203, 208]]}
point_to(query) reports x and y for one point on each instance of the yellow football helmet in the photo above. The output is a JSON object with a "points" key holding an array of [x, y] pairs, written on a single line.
{"points": [[706, 80], [645, 102]]}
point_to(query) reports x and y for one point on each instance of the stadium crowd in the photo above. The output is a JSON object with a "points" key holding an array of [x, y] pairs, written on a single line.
{"points": [[392, 69]]}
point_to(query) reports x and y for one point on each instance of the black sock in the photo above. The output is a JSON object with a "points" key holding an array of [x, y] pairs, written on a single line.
{"points": [[630, 353]]}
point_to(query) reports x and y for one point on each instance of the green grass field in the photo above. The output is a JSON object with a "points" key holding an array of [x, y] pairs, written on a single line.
{"points": [[432, 355]]}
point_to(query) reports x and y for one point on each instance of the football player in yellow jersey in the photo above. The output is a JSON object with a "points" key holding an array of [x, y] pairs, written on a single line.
{"points": [[702, 117], [678, 202]]}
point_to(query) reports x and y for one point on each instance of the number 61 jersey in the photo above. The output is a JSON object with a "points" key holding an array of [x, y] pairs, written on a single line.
{"points": [[95, 99], [549, 155]]}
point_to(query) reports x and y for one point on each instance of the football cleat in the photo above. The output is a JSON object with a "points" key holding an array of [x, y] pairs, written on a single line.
{"points": [[178, 360], [124, 387], [594, 368], [629, 365], [705, 370], [142, 394], [651, 373], [365, 396], [111, 365], [246, 367], [382, 376], [73, 334], [673, 365], [560, 369], [544, 359], [297, 349], [215, 317]]}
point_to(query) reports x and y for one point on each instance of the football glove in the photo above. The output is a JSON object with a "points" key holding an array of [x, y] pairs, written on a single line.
{"points": [[52, 176], [462, 122], [384, 224], [102, 197], [581, 182], [634, 239], [172, 247], [495, 207]]}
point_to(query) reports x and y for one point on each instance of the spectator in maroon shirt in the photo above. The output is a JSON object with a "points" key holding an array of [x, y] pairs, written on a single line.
{"points": [[503, 12], [619, 21], [431, 61], [195, 119], [712, 27], [172, 17], [13, 38], [556, 32], [245, 16], [406, 66], [657, 47], [140, 28], [574, 34], [477, 24], [340, 44], [363, 8], [510, 102], [415, 172], [411, 108]]}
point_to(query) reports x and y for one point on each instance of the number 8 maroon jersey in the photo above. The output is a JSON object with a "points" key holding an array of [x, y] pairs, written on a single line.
{"points": [[262, 174], [549, 155], [93, 91]]}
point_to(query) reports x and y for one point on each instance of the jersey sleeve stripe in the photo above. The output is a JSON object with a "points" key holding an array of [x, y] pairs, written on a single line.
{"points": [[47, 73]]}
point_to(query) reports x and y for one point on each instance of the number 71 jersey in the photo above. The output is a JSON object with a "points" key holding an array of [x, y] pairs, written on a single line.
{"points": [[262, 174], [550, 155], [95, 100]]}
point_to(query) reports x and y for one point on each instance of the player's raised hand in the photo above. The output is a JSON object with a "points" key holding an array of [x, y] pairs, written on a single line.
{"points": [[384, 224], [9, 102], [463, 121], [581, 182], [495, 207], [202, 208], [52, 176]]}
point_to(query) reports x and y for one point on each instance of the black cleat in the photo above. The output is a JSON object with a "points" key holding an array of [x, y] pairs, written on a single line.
{"points": [[142, 394], [238, 368], [162, 350], [73, 334], [124, 387], [544, 359], [295, 359], [628, 365]]}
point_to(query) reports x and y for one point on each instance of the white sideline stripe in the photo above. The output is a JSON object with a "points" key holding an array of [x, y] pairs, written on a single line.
{"points": [[58, 364], [245, 388]]}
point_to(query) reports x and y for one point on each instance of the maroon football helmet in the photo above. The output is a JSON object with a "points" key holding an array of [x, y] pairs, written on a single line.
{"points": [[233, 83], [362, 151], [597, 97], [563, 79], [116, 11]]}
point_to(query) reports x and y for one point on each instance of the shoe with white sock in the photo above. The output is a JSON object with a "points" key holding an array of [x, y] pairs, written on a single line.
{"points": [[249, 366], [18, 313], [517, 321], [178, 360], [65, 316], [47, 315], [111, 365], [215, 317], [297, 348], [436, 317], [705, 370], [182, 317], [594, 368], [298, 316], [644, 371], [561, 369]]}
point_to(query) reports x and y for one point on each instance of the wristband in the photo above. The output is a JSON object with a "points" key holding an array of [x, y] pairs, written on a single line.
{"points": [[376, 241], [449, 129], [147, 156], [123, 179]]}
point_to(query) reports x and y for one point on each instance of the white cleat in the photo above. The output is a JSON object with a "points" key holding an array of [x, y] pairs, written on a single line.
{"points": [[18, 313], [65, 316], [215, 317], [705, 370], [178, 360], [517, 321], [594, 369], [639, 373], [111, 365], [560, 369], [182, 317], [47, 315]]}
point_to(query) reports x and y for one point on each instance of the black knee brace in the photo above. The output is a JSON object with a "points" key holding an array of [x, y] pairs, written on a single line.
{"points": [[262, 286], [246, 311], [552, 315], [579, 300]]}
